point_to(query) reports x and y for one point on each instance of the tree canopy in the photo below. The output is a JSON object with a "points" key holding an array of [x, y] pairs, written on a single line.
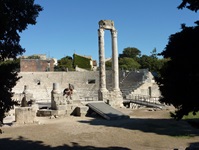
{"points": [[64, 64], [34, 57], [131, 58], [15, 16], [127, 63], [190, 4], [130, 52], [179, 81]]}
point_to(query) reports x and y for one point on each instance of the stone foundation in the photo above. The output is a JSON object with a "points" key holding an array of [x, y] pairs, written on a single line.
{"points": [[25, 115], [114, 99]]}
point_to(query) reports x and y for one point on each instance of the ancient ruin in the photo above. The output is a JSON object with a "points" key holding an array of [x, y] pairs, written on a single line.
{"points": [[113, 97], [56, 94]]}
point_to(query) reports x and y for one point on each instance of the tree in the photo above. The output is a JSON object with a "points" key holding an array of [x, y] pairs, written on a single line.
{"points": [[146, 62], [190, 4], [179, 81], [33, 57], [108, 64], [130, 52], [65, 63], [152, 62], [180, 76], [15, 16], [154, 54], [128, 63]]}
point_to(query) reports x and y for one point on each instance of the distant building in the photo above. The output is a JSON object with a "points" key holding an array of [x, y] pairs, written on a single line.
{"points": [[41, 56], [55, 61], [94, 65], [84, 62], [36, 65], [40, 63]]}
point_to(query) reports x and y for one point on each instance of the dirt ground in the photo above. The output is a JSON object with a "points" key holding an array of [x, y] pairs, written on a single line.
{"points": [[145, 130]]}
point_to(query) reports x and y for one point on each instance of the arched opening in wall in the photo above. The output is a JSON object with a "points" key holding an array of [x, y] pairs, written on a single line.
{"points": [[91, 81]]}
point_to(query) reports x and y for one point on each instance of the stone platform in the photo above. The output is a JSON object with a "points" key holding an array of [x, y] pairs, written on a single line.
{"points": [[106, 111]]}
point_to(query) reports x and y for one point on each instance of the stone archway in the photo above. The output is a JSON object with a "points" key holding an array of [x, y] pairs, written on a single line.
{"points": [[113, 97]]}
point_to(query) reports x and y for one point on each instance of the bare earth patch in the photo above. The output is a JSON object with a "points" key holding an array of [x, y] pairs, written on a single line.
{"points": [[145, 130]]}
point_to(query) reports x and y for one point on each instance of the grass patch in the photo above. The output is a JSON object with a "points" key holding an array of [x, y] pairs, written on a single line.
{"points": [[191, 116], [185, 136], [193, 120]]}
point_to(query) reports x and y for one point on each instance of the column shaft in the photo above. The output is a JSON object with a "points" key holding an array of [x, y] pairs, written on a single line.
{"points": [[115, 72], [102, 69]]}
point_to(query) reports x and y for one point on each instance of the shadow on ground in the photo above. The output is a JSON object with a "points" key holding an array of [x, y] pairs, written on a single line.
{"points": [[169, 127], [193, 146], [22, 144]]}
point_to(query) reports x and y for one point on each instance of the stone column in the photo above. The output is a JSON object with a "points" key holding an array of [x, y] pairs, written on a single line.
{"points": [[102, 69], [55, 87], [115, 72], [27, 94], [54, 93]]}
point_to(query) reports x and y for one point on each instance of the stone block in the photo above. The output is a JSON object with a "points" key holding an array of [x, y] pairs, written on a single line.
{"points": [[61, 112], [81, 110], [25, 115], [61, 107]]}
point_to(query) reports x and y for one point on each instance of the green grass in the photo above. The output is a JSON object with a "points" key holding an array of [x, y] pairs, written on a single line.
{"points": [[193, 120], [191, 116], [185, 136]]}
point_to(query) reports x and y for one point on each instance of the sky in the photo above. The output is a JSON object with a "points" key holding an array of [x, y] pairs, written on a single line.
{"points": [[65, 27]]}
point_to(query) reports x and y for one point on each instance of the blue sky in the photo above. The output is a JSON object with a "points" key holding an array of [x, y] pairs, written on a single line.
{"points": [[65, 27]]}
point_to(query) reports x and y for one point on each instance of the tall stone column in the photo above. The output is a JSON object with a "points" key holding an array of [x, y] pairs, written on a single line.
{"points": [[102, 69], [115, 72], [114, 97]]}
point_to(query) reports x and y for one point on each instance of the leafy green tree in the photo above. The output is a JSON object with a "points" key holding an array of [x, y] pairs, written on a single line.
{"points": [[108, 64], [152, 62], [130, 52], [33, 57], [128, 63], [154, 54], [64, 64], [146, 62], [159, 65], [179, 82], [15, 16]]}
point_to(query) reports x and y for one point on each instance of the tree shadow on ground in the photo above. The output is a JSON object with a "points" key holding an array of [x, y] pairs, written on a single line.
{"points": [[24, 144], [169, 127], [193, 146]]}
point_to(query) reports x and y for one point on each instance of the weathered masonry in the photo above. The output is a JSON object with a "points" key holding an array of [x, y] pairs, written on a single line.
{"points": [[112, 97]]}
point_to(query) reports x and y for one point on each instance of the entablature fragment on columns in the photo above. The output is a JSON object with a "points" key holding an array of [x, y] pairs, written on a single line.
{"points": [[106, 24]]}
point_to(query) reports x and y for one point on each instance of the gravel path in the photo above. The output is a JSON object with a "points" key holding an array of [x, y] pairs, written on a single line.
{"points": [[145, 130]]}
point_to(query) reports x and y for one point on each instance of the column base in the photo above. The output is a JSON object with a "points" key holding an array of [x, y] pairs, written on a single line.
{"points": [[115, 99], [102, 94]]}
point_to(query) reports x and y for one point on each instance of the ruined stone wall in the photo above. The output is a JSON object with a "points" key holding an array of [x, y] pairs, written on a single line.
{"points": [[36, 65], [41, 83], [86, 84]]}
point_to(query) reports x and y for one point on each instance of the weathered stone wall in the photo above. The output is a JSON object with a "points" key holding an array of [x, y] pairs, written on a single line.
{"points": [[25, 115], [40, 84], [36, 65]]}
